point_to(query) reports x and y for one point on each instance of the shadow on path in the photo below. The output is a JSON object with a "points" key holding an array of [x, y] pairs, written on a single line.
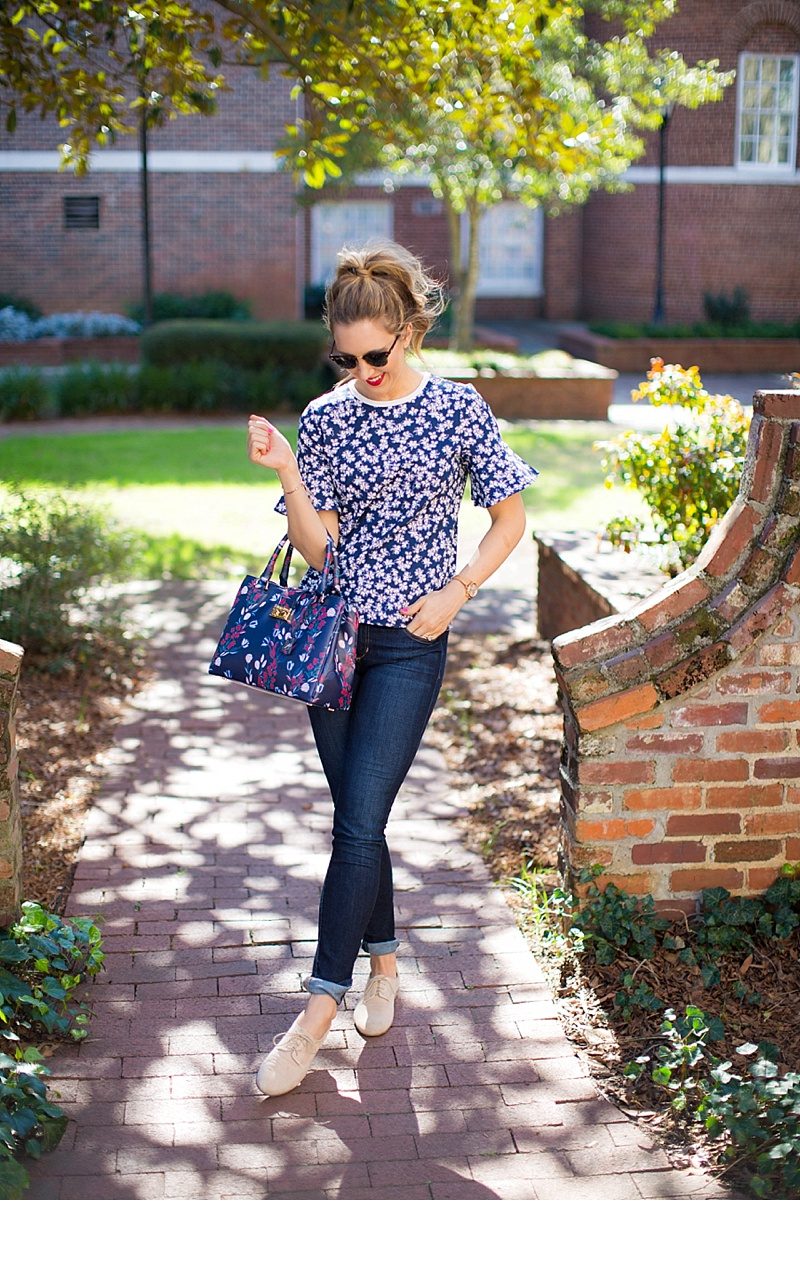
{"points": [[204, 856]]}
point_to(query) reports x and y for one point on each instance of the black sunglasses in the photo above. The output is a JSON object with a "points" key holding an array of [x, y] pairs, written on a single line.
{"points": [[375, 359]]}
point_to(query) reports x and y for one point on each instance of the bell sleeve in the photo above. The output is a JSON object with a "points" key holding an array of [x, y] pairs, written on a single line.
{"points": [[495, 470]]}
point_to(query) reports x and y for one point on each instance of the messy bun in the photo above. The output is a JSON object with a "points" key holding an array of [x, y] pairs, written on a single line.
{"points": [[383, 281]]}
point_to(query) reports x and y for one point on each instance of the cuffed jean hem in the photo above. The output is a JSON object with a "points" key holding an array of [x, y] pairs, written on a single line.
{"points": [[321, 987], [380, 948]]}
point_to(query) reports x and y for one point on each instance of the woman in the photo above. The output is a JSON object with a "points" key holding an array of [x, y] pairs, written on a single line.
{"points": [[381, 466]]}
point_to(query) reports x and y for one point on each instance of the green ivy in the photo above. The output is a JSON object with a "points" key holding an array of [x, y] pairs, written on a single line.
{"points": [[29, 1124], [43, 959], [756, 1114], [631, 998], [727, 924], [616, 923], [677, 1062], [759, 1116]]}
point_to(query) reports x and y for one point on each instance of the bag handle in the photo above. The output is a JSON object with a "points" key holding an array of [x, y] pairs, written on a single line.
{"points": [[329, 572]]}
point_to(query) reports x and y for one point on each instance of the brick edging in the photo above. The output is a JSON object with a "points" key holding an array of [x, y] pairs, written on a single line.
{"points": [[11, 656]]}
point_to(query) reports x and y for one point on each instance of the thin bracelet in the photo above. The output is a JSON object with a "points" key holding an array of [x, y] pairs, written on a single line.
{"points": [[287, 492]]}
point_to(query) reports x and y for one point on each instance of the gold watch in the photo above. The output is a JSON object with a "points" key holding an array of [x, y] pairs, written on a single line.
{"points": [[471, 588]]}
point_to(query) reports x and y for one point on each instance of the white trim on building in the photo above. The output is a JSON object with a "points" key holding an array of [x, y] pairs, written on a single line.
{"points": [[269, 162], [712, 175], [157, 161]]}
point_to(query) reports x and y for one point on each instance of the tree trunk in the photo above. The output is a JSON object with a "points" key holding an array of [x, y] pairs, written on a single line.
{"points": [[465, 275]]}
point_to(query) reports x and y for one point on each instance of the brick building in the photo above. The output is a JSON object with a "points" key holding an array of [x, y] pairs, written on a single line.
{"points": [[225, 216]]}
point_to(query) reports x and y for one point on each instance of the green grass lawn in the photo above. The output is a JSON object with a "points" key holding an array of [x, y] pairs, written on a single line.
{"points": [[204, 508]]}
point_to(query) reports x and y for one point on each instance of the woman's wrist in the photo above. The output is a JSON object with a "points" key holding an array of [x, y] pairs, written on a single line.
{"points": [[458, 595], [289, 476], [467, 588]]}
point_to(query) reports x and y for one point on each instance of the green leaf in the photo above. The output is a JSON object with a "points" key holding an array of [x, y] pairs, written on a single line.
{"points": [[11, 120], [781, 1150], [747, 1049], [13, 1179], [53, 1131]]}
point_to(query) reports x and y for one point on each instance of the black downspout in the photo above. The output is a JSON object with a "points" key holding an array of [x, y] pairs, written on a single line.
{"points": [[658, 305], [147, 266]]}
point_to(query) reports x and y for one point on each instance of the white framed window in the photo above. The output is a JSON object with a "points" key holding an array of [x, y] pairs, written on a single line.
{"points": [[510, 250], [338, 222], [766, 110]]}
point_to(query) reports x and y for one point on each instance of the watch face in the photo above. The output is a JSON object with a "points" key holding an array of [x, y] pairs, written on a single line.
{"points": [[472, 590]]}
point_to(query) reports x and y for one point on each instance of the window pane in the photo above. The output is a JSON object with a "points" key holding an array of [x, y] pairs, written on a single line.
{"points": [[767, 109], [336, 223], [510, 251], [765, 150]]}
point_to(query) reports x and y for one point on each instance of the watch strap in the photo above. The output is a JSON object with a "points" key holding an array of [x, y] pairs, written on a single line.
{"points": [[470, 588]]}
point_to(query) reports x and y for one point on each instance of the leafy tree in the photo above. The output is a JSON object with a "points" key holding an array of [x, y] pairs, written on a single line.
{"points": [[537, 100], [89, 62], [488, 98]]}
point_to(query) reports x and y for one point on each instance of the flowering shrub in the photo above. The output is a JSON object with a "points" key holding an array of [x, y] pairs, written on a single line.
{"points": [[688, 474], [17, 326], [83, 324]]}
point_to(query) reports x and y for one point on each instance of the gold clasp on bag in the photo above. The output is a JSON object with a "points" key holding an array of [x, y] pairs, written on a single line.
{"points": [[280, 611]]}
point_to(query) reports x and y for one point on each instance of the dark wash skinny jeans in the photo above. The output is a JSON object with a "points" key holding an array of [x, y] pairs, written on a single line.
{"points": [[366, 753]]}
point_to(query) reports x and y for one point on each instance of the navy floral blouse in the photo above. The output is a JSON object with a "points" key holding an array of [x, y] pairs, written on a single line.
{"points": [[395, 471]]}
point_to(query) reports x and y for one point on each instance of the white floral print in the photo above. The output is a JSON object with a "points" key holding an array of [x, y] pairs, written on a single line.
{"points": [[396, 472]]}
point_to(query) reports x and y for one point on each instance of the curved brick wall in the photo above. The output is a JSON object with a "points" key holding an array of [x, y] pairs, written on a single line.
{"points": [[681, 760]]}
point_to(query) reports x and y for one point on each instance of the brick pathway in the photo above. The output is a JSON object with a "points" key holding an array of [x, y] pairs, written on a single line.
{"points": [[204, 856]]}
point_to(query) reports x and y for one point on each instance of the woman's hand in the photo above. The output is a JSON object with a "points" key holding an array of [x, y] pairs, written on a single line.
{"points": [[267, 447], [432, 614]]}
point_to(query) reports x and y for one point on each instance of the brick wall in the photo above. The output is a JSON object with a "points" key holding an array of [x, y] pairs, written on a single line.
{"points": [[231, 231], [717, 236], [245, 232], [581, 578], [563, 249], [235, 231], [681, 760], [10, 826]]}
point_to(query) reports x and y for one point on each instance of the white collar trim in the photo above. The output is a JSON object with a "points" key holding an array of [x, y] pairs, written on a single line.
{"points": [[388, 404]]}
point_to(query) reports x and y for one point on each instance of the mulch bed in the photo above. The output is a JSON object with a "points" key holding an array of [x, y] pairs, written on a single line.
{"points": [[65, 719]]}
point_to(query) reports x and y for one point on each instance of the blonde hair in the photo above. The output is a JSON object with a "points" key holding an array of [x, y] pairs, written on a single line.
{"points": [[383, 281]]}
